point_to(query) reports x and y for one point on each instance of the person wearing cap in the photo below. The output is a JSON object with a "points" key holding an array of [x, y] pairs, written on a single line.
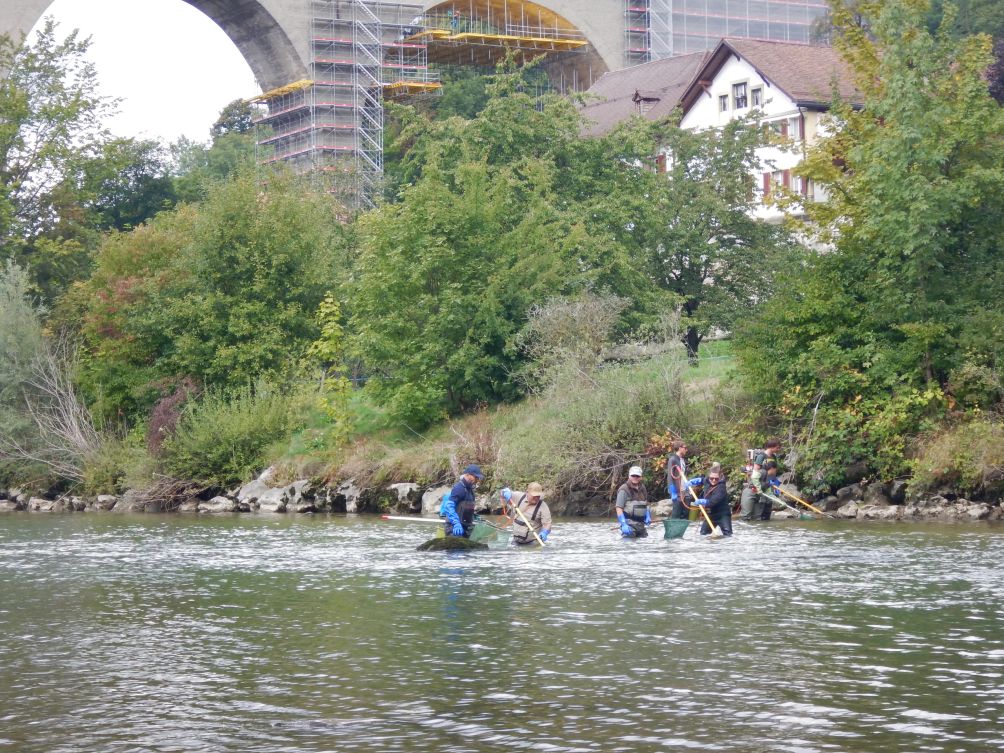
{"points": [[632, 506], [531, 503], [716, 502], [458, 507]]}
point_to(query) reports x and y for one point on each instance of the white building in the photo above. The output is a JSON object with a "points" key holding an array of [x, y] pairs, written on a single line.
{"points": [[790, 86]]}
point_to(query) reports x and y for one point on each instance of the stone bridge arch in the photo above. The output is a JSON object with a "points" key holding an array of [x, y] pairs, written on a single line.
{"points": [[272, 35]]}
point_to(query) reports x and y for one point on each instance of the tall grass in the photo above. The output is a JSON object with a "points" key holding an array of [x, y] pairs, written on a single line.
{"points": [[583, 430]]}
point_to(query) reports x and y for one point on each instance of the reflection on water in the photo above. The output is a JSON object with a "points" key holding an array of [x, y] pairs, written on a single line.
{"points": [[332, 634]]}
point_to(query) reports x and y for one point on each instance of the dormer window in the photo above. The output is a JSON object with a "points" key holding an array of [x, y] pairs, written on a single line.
{"points": [[739, 100]]}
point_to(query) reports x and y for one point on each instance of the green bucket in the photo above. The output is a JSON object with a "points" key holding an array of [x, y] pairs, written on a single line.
{"points": [[675, 527]]}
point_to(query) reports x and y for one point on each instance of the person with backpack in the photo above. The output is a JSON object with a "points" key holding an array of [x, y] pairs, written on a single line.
{"points": [[535, 510], [458, 506], [750, 504], [632, 506]]}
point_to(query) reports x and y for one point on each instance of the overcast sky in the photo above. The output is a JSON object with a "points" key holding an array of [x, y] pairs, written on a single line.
{"points": [[171, 65]]}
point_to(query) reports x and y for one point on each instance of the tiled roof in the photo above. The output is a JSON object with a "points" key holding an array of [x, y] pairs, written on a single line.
{"points": [[665, 80], [805, 72]]}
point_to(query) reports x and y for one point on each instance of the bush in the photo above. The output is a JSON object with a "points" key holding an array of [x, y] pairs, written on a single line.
{"points": [[969, 457], [118, 465], [223, 438], [583, 430]]}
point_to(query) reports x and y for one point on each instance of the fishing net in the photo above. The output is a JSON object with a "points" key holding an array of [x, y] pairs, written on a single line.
{"points": [[486, 533], [675, 527]]}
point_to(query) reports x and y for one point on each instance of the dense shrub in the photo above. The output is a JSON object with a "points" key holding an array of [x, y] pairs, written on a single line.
{"points": [[222, 438], [968, 457]]}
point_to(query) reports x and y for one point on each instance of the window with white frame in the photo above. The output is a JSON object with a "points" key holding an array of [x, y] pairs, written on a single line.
{"points": [[723, 103], [739, 100], [756, 96]]}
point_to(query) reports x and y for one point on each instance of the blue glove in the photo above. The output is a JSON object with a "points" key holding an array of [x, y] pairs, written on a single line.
{"points": [[775, 482], [625, 528], [544, 534], [648, 516], [777, 492], [702, 502], [672, 493], [507, 494], [458, 528], [697, 481]]}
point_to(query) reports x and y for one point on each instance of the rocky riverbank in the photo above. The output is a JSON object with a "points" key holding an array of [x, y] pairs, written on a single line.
{"points": [[873, 501]]}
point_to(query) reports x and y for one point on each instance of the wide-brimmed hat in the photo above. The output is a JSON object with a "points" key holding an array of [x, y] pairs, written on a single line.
{"points": [[535, 490]]}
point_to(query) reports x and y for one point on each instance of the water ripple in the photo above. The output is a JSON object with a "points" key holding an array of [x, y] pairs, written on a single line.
{"points": [[303, 634]]}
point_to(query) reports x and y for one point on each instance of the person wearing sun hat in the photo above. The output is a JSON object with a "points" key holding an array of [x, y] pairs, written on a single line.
{"points": [[633, 514], [535, 510], [458, 507]]}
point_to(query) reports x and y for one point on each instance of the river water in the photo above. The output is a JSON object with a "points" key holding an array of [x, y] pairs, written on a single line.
{"points": [[272, 633]]}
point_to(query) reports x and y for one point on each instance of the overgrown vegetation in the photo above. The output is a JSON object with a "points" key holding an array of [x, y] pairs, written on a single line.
{"points": [[524, 298]]}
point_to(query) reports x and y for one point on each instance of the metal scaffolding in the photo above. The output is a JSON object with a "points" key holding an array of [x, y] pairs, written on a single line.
{"points": [[332, 124], [637, 32]]}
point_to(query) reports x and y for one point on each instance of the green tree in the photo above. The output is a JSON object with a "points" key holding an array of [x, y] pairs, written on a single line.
{"points": [[50, 122], [21, 341], [197, 166], [236, 117], [223, 292], [908, 297], [693, 225], [445, 276]]}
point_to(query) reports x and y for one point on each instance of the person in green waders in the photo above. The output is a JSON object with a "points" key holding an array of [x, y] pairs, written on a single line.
{"points": [[752, 506], [535, 510], [632, 506]]}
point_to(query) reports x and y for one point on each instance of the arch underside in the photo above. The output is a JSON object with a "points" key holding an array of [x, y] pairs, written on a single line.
{"points": [[481, 33]]}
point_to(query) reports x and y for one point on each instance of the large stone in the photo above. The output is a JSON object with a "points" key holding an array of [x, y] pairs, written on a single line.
{"points": [[76, 504], [847, 493], [345, 497], [190, 505], [105, 501], [273, 500], [409, 497], [432, 499], [252, 491], [878, 512], [9, 505], [829, 504], [848, 510], [662, 509], [977, 511], [897, 492], [876, 495], [39, 504], [301, 498], [219, 504]]}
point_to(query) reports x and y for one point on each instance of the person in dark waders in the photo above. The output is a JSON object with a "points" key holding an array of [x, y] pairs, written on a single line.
{"points": [[458, 507], [715, 500], [632, 506]]}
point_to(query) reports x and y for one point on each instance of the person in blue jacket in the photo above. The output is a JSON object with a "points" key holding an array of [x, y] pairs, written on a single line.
{"points": [[458, 507]]}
